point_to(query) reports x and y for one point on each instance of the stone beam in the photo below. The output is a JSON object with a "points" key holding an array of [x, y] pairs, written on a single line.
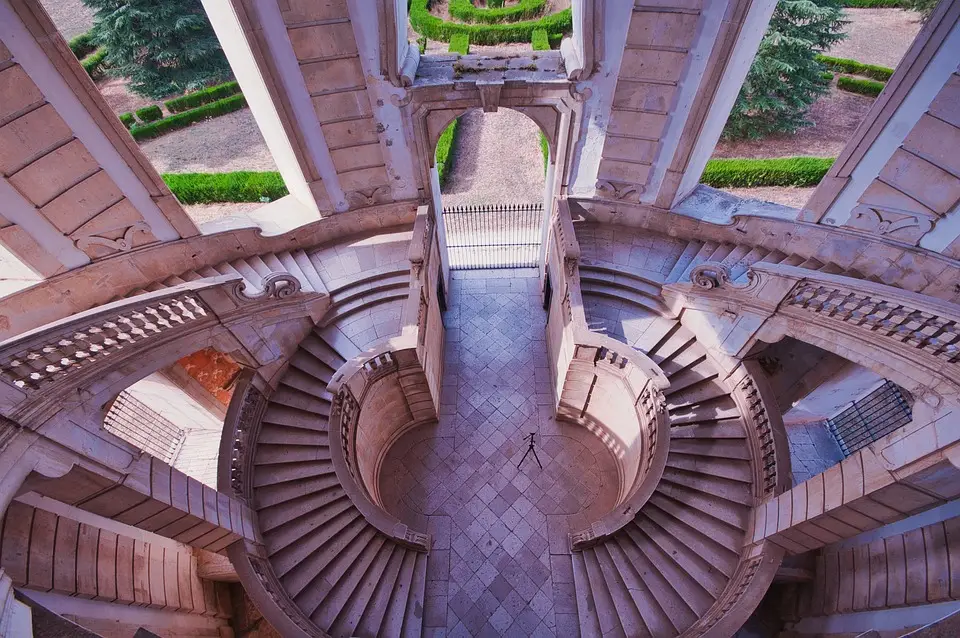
{"points": [[910, 470], [681, 70], [899, 174], [76, 186]]}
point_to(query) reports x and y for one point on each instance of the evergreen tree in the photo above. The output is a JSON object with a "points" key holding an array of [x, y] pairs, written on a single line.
{"points": [[786, 78], [163, 46]]}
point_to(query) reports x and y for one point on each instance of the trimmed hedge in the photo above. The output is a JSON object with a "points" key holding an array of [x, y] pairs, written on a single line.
{"points": [[127, 120], [539, 40], [446, 146], [241, 186], [422, 43], [876, 4], [182, 120], [434, 28], [465, 11], [826, 75], [204, 96], [845, 65], [862, 86], [544, 150], [93, 63], [460, 43], [82, 45], [781, 171], [150, 113]]}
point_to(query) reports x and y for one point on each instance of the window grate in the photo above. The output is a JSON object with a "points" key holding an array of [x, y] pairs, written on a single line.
{"points": [[135, 422], [493, 236], [870, 418]]}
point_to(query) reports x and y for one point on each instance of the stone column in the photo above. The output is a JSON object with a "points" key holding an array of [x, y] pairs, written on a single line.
{"points": [[899, 175], [75, 185]]}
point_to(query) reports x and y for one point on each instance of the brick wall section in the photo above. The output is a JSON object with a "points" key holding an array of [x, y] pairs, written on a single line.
{"points": [[918, 567], [43, 551]]}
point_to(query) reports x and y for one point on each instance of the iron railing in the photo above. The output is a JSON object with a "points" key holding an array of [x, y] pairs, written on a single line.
{"points": [[493, 236], [874, 416], [137, 423]]}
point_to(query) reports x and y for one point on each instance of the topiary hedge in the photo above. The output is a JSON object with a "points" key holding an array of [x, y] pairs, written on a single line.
{"points": [[465, 11], [82, 45], [240, 186], [460, 43], [150, 113], [434, 28], [781, 171], [446, 146], [127, 120], [182, 120], [846, 65], [539, 40], [199, 98], [862, 86], [93, 63]]}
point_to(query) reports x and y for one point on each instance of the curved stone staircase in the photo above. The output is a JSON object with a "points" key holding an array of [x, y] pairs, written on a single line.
{"points": [[340, 571], [662, 573]]}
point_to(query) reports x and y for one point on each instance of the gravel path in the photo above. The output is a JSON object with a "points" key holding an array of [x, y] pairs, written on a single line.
{"points": [[878, 36], [497, 160], [71, 17], [228, 143]]}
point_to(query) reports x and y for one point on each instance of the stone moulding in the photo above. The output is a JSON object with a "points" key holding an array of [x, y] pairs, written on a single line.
{"points": [[276, 285], [240, 429]]}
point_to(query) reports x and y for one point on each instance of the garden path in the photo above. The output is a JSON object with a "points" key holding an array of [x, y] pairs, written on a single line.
{"points": [[497, 160]]}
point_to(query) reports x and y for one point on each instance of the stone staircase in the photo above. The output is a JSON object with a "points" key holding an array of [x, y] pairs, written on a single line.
{"points": [[663, 572], [342, 573]]}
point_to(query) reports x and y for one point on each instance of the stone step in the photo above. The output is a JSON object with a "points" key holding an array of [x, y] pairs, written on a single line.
{"points": [[708, 537], [329, 500], [723, 468], [726, 430], [269, 454], [341, 552], [703, 255], [413, 617], [707, 412], [350, 583], [687, 558], [628, 617], [685, 585], [586, 607], [278, 495], [730, 490], [297, 564], [618, 293], [294, 398], [720, 448], [284, 415], [689, 252], [277, 474], [370, 620], [655, 620], [708, 503]]}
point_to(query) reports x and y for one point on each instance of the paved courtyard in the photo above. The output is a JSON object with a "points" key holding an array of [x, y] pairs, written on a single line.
{"points": [[498, 566]]}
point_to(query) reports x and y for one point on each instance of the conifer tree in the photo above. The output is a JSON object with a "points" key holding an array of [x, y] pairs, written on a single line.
{"points": [[164, 47], [786, 78]]}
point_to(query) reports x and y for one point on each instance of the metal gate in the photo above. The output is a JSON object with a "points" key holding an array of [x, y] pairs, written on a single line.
{"points": [[493, 236], [872, 417]]}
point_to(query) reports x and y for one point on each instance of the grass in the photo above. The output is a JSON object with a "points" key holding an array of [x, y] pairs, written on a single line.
{"points": [[240, 186], [846, 65], [539, 40], [186, 118], [434, 28], [204, 96], [460, 43], [446, 147], [781, 171], [544, 150], [465, 11], [871, 88]]}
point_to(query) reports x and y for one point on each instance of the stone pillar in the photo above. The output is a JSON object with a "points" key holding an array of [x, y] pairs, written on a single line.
{"points": [[682, 68], [75, 185], [899, 175]]}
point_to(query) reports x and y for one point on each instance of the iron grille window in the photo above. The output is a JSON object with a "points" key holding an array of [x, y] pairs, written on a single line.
{"points": [[870, 418], [493, 236], [135, 422]]}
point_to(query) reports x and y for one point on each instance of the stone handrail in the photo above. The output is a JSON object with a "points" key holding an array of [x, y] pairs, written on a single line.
{"points": [[240, 429], [655, 427], [758, 566], [619, 350], [769, 450], [349, 386]]}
